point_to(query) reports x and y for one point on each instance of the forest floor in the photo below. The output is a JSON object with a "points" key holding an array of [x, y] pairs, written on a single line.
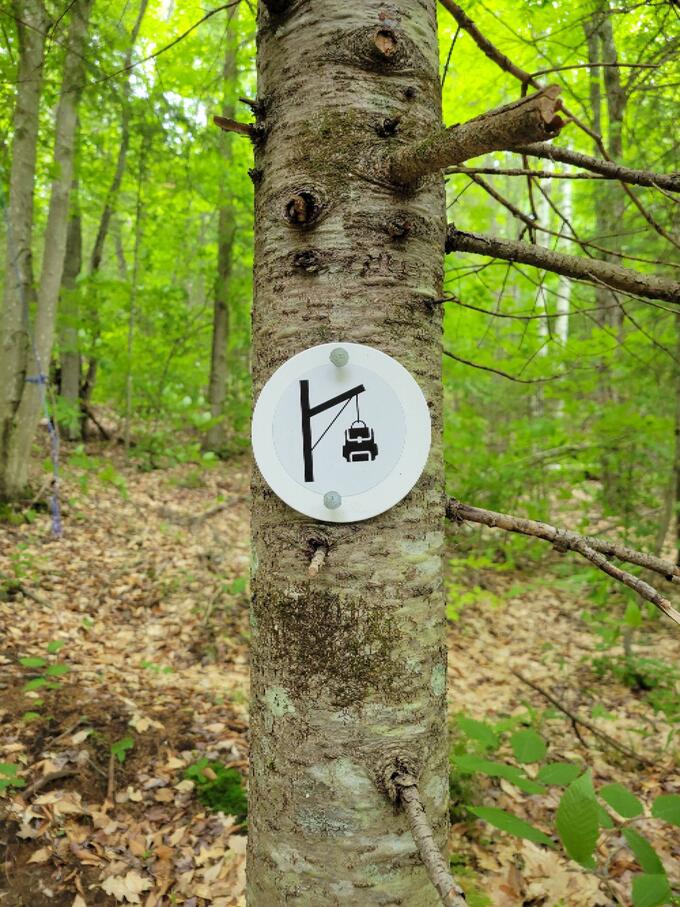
{"points": [[124, 693]]}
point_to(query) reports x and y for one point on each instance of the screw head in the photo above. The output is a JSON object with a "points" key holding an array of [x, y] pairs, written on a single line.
{"points": [[332, 500], [339, 357]]}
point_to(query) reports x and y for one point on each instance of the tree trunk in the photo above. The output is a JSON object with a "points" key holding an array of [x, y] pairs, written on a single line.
{"points": [[87, 385], [27, 413], [19, 290], [349, 667], [226, 231], [69, 385]]}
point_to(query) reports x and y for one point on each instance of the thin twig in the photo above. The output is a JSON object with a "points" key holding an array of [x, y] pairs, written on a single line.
{"points": [[497, 371], [111, 783], [576, 720], [48, 779], [593, 549], [450, 892]]}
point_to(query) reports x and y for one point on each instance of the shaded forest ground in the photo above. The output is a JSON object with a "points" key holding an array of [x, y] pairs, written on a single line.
{"points": [[123, 703]]}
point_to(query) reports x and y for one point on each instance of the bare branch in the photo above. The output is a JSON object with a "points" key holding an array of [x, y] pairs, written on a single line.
{"points": [[495, 130], [520, 171], [669, 181], [497, 371], [449, 891], [593, 549], [575, 718], [506, 64], [647, 286]]}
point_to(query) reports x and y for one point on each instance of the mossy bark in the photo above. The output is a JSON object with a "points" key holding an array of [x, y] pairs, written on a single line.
{"points": [[348, 667]]}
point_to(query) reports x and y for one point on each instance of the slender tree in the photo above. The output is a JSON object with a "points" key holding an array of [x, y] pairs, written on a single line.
{"points": [[28, 363], [226, 232]]}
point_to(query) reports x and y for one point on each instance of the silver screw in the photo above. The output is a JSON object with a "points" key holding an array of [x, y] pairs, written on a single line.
{"points": [[339, 357], [332, 500]]}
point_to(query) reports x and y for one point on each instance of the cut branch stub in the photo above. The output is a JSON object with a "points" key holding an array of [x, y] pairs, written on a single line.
{"points": [[497, 130], [385, 42], [303, 209]]}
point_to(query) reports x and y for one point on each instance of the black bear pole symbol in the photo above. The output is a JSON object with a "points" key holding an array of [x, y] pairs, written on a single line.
{"points": [[359, 438]]}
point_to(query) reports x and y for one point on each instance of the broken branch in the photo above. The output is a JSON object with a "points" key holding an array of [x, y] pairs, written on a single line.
{"points": [[608, 169], [576, 720], [592, 549], [252, 130], [495, 130], [450, 892], [592, 270]]}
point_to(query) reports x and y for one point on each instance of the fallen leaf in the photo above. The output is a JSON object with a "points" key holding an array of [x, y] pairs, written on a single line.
{"points": [[127, 887]]}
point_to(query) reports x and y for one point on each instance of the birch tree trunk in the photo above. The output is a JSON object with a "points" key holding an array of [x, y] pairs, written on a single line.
{"points": [[19, 290], [14, 467], [226, 231], [348, 667]]}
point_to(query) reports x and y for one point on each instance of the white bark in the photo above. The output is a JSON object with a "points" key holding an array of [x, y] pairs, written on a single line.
{"points": [[564, 284]]}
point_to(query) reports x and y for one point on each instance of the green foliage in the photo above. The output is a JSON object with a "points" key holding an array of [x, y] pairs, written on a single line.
{"points": [[121, 748], [49, 672], [577, 822], [580, 816], [651, 890], [528, 746], [219, 788], [667, 807], [9, 776], [621, 800], [499, 818]]}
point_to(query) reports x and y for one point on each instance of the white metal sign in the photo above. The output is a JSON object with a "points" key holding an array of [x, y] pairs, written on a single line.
{"points": [[341, 432]]}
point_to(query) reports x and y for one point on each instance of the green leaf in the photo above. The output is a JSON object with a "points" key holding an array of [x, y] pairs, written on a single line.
{"points": [[577, 821], [31, 716], [479, 731], [499, 818], [57, 670], [35, 684], [8, 769], [644, 853], [55, 645], [32, 661], [604, 818], [559, 773], [468, 765], [667, 807], [528, 746], [651, 890], [621, 800], [120, 748]]}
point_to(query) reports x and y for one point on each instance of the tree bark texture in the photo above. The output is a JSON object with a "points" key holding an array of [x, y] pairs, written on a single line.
{"points": [[14, 464], [19, 290], [348, 665], [601, 273], [527, 120], [226, 231]]}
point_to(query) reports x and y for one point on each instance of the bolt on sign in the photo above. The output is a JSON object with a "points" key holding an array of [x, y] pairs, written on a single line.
{"points": [[341, 432]]}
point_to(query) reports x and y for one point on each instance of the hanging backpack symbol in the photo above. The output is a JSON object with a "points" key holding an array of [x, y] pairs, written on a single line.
{"points": [[359, 443]]}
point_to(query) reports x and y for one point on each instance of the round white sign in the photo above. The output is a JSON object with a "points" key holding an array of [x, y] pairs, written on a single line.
{"points": [[341, 432]]}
